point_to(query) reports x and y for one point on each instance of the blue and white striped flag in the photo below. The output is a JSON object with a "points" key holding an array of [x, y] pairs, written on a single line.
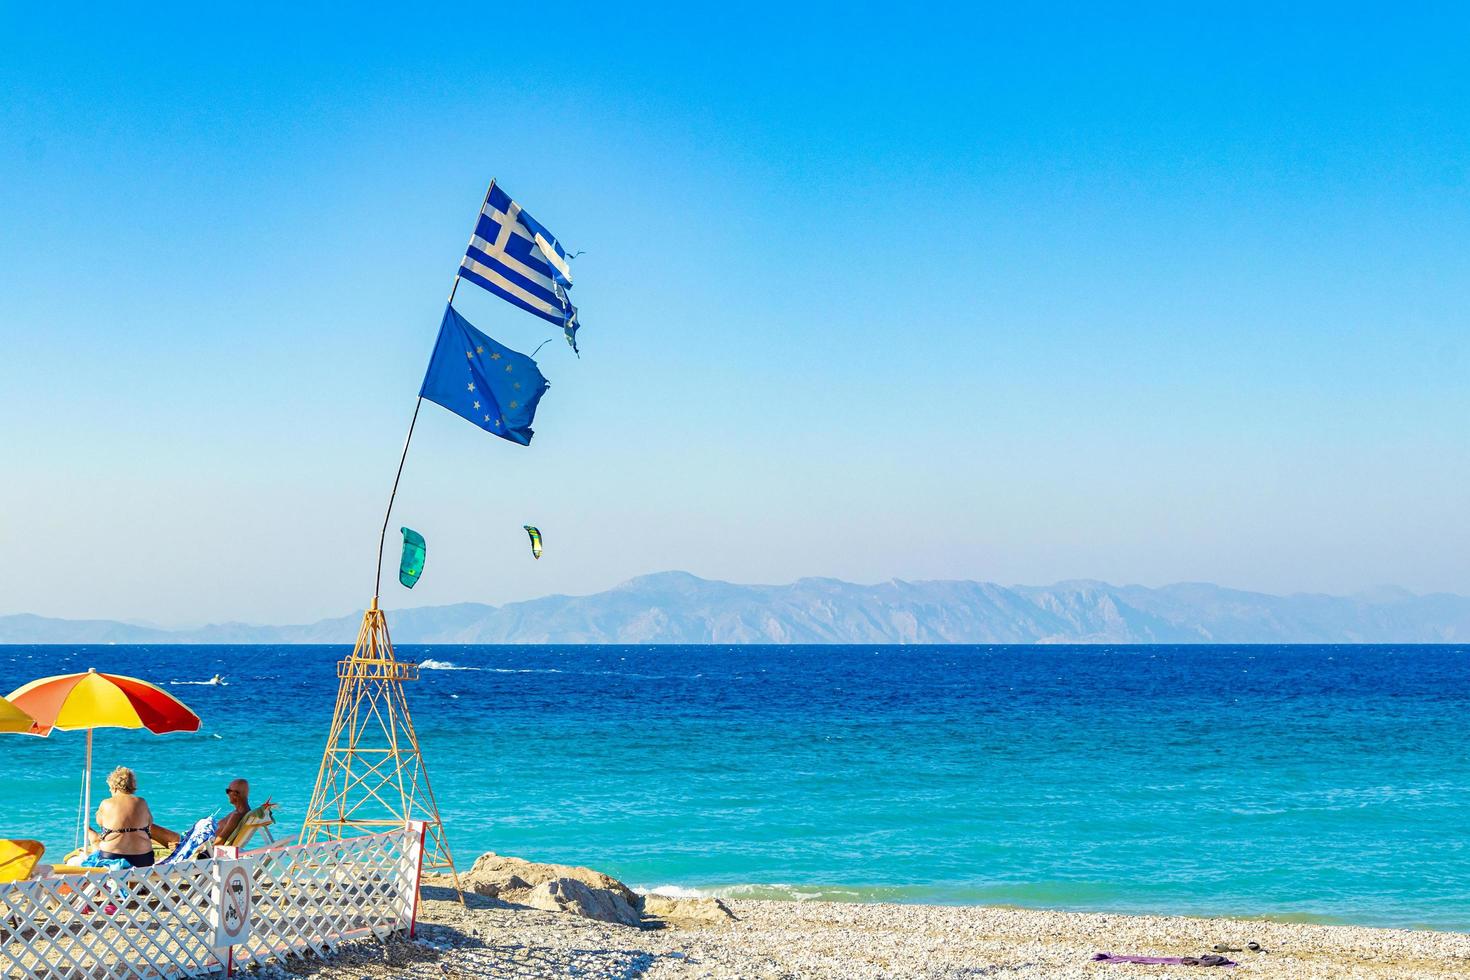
{"points": [[515, 258]]}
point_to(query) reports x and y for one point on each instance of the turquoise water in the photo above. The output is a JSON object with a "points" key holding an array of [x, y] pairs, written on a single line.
{"points": [[1297, 782]]}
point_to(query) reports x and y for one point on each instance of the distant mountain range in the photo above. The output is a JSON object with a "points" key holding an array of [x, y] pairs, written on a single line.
{"points": [[676, 607]]}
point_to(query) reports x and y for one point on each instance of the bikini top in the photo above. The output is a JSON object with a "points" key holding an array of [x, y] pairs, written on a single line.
{"points": [[106, 833]]}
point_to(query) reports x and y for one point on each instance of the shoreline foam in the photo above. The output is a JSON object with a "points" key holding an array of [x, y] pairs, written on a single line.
{"points": [[894, 895]]}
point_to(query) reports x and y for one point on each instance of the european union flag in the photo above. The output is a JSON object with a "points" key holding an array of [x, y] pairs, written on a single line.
{"points": [[485, 382]]}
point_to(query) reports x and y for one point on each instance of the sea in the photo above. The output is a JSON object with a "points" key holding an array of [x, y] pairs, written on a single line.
{"points": [[1310, 783]]}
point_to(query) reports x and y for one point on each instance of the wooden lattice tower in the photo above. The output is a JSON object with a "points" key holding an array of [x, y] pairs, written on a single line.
{"points": [[372, 775]]}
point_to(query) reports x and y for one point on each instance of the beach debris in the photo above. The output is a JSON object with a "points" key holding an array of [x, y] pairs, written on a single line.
{"points": [[1207, 960], [411, 564], [535, 535]]}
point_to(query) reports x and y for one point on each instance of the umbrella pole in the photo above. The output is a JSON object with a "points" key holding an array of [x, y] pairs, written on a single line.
{"points": [[87, 791], [81, 813]]}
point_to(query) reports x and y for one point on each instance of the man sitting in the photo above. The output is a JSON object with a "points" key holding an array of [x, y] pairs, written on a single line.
{"points": [[239, 793]]}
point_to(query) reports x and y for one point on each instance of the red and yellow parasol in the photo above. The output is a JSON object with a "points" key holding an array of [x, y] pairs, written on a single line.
{"points": [[73, 702], [12, 719]]}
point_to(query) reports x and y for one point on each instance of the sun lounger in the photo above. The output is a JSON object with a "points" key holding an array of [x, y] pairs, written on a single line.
{"points": [[18, 858], [21, 859], [259, 820]]}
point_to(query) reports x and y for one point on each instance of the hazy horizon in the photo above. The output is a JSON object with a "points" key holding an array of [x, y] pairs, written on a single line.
{"points": [[1381, 592], [993, 295]]}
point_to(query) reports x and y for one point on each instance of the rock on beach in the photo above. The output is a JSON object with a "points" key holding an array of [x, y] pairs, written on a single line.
{"points": [[571, 895], [554, 888]]}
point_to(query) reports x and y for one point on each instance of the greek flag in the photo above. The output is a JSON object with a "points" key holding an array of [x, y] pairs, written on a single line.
{"points": [[515, 258]]}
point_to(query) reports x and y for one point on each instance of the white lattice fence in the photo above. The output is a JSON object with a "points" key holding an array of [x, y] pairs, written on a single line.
{"points": [[312, 897], [158, 923]]}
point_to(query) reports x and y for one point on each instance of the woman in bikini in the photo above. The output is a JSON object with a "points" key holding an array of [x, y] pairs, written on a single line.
{"points": [[127, 823]]}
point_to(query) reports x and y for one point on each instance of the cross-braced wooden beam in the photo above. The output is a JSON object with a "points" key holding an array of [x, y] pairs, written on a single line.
{"points": [[372, 774]]}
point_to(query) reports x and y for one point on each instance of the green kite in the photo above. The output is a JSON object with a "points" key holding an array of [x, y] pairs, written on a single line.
{"points": [[411, 565], [535, 540]]}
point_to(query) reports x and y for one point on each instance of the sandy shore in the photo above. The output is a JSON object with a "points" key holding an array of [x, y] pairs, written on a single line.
{"points": [[487, 938]]}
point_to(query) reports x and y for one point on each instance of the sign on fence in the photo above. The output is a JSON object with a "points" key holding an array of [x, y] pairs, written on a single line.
{"points": [[233, 900]]}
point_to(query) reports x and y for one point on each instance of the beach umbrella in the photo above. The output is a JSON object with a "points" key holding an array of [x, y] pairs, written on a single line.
{"points": [[12, 719], [83, 702]]}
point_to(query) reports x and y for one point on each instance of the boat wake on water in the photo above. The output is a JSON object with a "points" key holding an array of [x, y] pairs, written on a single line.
{"points": [[215, 681]]}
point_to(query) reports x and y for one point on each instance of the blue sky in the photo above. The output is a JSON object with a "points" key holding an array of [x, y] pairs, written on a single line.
{"points": [[979, 293]]}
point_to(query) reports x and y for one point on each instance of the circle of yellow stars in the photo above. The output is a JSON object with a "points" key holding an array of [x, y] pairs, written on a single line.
{"points": [[471, 386]]}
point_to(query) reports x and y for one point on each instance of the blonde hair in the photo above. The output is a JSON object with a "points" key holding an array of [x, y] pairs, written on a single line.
{"points": [[122, 780]]}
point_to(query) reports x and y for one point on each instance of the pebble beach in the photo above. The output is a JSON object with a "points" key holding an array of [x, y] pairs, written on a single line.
{"points": [[518, 919], [785, 940]]}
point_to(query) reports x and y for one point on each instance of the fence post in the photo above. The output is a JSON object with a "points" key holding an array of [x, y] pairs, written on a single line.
{"points": [[413, 869], [223, 852]]}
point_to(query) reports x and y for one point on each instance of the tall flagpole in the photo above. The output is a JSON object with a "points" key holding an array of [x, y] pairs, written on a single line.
{"points": [[388, 515], [383, 535], [371, 747]]}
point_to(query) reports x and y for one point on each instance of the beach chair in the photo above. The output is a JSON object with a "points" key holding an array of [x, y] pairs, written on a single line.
{"points": [[21, 859], [257, 821], [195, 841], [18, 858], [15, 867]]}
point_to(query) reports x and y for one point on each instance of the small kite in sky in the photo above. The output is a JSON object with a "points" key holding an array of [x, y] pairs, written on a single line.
{"points": [[535, 540], [411, 565]]}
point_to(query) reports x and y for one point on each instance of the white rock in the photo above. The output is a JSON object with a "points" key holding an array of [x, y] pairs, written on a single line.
{"points": [[571, 895]]}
